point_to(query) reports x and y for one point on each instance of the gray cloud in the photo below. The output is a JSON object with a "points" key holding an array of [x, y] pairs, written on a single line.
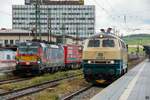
{"points": [[108, 12], [136, 12]]}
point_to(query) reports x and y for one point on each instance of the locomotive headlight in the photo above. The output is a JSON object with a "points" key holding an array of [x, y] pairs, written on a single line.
{"points": [[101, 36], [112, 62], [27, 63], [38, 62], [17, 62], [89, 62]]}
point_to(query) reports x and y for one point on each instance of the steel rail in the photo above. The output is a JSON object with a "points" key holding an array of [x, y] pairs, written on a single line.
{"points": [[33, 89], [69, 97], [13, 80]]}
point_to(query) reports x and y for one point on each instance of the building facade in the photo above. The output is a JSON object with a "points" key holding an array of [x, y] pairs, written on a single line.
{"points": [[57, 19], [9, 37], [13, 37], [55, 2]]}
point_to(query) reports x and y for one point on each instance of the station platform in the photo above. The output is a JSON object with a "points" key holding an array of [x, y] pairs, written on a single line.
{"points": [[134, 85]]}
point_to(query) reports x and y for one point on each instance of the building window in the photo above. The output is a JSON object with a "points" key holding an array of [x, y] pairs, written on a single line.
{"points": [[6, 42], [16, 42], [8, 57], [11, 42], [1, 43]]}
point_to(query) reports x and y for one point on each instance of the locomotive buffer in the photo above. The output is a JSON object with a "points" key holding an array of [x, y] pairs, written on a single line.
{"points": [[135, 85]]}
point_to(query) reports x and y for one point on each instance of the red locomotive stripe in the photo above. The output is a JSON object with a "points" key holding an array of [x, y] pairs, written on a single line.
{"points": [[7, 61]]}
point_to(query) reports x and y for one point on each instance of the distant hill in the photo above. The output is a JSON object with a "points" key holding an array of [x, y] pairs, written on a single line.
{"points": [[137, 39], [137, 35]]}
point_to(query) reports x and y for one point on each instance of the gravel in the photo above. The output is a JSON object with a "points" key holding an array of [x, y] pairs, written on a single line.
{"points": [[86, 95]]}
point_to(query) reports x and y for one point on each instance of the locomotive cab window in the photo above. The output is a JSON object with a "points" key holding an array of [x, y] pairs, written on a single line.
{"points": [[28, 50], [123, 45], [8, 57], [94, 43], [108, 43]]}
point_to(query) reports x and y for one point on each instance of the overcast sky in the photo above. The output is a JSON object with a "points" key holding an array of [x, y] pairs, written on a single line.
{"points": [[120, 14]]}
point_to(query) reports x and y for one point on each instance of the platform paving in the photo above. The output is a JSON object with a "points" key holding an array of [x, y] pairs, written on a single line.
{"points": [[135, 85]]}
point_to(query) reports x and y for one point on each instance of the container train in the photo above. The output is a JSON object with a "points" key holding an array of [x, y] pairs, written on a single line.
{"points": [[104, 57], [37, 57]]}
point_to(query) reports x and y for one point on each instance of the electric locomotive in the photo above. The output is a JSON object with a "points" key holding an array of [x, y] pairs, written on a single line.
{"points": [[37, 57], [72, 56], [104, 57]]}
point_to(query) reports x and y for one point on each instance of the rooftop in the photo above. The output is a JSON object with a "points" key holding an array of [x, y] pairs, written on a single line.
{"points": [[55, 2], [3, 30]]}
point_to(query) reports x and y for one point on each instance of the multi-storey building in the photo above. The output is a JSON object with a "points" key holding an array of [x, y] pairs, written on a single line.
{"points": [[58, 19], [55, 2]]}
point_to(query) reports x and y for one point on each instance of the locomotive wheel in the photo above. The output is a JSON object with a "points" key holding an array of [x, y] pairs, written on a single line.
{"points": [[53, 70], [49, 70], [40, 70], [122, 72], [15, 72], [87, 79], [126, 70], [72, 66]]}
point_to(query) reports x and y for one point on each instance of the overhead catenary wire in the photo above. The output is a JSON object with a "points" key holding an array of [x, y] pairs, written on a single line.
{"points": [[108, 3], [106, 11], [119, 19]]}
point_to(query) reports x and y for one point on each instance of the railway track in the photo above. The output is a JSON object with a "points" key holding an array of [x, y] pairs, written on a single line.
{"points": [[13, 80], [33, 89], [69, 97], [84, 93]]}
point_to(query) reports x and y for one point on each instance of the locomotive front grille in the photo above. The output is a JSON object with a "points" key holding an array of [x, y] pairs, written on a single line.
{"points": [[101, 62], [28, 58]]}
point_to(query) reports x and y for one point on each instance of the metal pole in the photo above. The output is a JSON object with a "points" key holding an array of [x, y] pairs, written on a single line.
{"points": [[36, 20], [49, 26], [40, 35], [77, 35], [37, 17], [63, 34], [29, 35]]}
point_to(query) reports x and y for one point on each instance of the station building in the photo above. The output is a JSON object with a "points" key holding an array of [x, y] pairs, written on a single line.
{"points": [[11, 37], [55, 2], [57, 17]]}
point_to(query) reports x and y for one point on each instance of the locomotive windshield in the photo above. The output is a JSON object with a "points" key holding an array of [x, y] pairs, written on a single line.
{"points": [[94, 43], [108, 43], [28, 50]]}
